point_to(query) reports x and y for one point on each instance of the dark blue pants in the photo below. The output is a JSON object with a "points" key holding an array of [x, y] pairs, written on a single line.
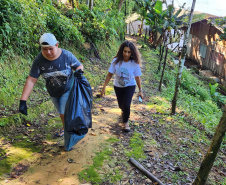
{"points": [[124, 96]]}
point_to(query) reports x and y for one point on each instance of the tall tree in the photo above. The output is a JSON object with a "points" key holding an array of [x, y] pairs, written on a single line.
{"points": [[143, 8], [161, 20], [182, 59], [171, 20], [209, 159]]}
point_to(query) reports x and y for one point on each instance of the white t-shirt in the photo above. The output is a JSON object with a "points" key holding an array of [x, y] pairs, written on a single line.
{"points": [[125, 73]]}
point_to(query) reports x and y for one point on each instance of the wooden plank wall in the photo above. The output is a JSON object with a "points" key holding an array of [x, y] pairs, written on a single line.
{"points": [[204, 33]]}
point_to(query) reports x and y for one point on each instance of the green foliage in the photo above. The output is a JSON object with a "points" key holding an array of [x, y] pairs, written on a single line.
{"points": [[160, 20], [10, 121], [7, 162], [194, 96], [198, 17], [220, 22], [223, 182], [217, 97], [98, 25], [90, 174], [191, 85], [18, 25], [213, 89], [22, 23], [59, 24], [10, 84], [137, 145], [158, 7]]}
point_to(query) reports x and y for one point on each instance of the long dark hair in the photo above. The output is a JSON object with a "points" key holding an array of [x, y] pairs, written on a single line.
{"points": [[135, 55]]}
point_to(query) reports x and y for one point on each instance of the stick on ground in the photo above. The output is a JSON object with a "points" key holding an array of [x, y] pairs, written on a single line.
{"points": [[144, 171]]}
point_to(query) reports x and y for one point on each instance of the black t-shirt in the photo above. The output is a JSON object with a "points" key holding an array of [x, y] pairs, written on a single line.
{"points": [[57, 73]]}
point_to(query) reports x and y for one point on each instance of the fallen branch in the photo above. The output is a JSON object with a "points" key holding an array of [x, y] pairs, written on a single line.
{"points": [[144, 171]]}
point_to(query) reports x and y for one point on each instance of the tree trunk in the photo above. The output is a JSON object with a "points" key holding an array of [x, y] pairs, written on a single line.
{"points": [[141, 26], [120, 4], [72, 3], [179, 74], [161, 55], [133, 28], [182, 59], [209, 159], [163, 70], [160, 38], [145, 37], [91, 5]]}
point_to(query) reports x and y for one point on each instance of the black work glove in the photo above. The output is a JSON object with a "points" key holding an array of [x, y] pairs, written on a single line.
{"points": [[23, 107], [78, 73]]}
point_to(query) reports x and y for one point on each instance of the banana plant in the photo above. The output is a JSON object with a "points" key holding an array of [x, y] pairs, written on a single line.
{"points": [[162, 21], [143, 8]]}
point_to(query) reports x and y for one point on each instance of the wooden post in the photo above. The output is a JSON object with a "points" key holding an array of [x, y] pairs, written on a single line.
{"points": [[161, 54], [181, 61], [209, 159], [145, 35], [163, 70]]}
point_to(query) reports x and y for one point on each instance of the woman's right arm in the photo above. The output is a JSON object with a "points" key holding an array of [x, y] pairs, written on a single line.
{"points": [[108, 78]]}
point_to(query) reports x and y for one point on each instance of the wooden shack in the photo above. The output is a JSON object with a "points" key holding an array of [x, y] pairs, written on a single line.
{"points": [[133, 25], [205, 48]]}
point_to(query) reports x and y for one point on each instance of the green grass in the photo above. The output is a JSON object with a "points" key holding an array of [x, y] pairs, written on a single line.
{"points": [[91, 173], [137, 145], [194, 97], [16, 155]]}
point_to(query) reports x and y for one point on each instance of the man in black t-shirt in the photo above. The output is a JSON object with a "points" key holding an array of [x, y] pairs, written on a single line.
{"points": [[55, 65]]}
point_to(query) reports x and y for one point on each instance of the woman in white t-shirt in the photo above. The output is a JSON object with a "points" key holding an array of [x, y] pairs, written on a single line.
{"points": [[126, 67]]}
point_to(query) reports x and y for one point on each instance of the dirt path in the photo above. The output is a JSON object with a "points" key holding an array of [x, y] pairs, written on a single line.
{"points": [[53, 167]]}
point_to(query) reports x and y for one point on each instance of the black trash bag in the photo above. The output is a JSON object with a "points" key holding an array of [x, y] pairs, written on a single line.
{"points": [[77, 116]]}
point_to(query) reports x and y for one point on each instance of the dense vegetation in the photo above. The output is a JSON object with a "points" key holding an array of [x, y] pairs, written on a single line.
{"points": [[22, 23]]}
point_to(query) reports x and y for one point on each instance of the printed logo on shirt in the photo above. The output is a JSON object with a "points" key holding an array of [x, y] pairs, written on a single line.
{"points": [[123, 76]]}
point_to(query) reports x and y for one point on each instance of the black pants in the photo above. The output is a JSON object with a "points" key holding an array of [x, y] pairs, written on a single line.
{"points": [[124, 96]]}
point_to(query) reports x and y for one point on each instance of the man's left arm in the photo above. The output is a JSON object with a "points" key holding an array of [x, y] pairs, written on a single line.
{"points": [[79, 67], [75, 64]]}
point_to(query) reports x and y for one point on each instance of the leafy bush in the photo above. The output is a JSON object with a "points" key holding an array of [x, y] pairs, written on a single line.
{"points": [[98, 25], [217, 97], [18, 27], [62, 27], [193, 86], [24, 21]]}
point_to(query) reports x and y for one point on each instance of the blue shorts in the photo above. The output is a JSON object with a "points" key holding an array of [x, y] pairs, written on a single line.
{"points": [[60, 102]]}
